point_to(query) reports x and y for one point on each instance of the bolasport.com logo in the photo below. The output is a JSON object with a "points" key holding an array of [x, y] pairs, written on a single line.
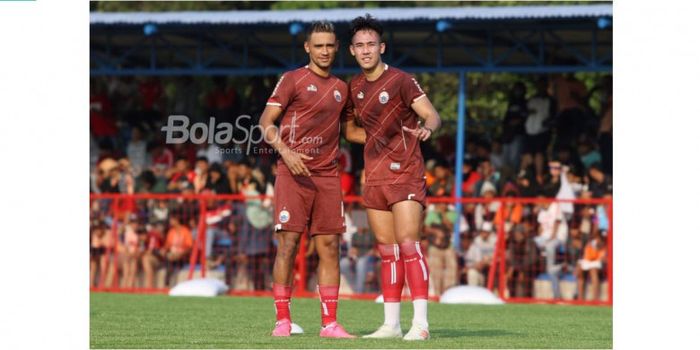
{"points": [[243, 133]]}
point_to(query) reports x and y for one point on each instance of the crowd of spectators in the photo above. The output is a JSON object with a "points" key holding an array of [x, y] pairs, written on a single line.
{"points": [[551, 144]]}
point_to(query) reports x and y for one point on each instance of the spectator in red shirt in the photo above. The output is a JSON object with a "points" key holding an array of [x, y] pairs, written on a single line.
{"points": [[470, 177], [151, 92], [102, 123], [347, 181], [180, 175]]}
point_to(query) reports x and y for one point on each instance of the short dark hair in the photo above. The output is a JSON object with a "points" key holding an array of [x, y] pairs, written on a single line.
{"points": [[365, 23], [319, 27]]}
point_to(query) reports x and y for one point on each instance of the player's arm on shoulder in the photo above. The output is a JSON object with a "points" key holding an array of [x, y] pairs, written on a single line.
{"points": [[350, 128], [353, 132]]}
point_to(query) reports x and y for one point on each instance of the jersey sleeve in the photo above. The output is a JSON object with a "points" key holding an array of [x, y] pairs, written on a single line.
{"points": [[410, 90], [283, 93]]}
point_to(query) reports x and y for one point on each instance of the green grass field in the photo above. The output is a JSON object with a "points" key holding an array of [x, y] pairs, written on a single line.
{"points": [[159, 321]]}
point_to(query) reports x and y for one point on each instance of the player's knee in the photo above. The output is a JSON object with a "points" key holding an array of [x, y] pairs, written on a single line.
{"points": [[407, 237], [329, 249]]}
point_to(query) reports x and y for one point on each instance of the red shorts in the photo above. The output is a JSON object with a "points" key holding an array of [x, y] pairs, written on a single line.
{"points": [[382, 197], [315, 202]]}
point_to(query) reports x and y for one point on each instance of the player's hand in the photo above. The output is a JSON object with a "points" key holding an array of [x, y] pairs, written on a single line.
{"points": [[421, 133], [295, 163]]}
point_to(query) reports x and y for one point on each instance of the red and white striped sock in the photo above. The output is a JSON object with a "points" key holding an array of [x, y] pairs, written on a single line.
{"points": [[329, 303], [283, 296], [393, 277], [393, 274], [417, 273]]}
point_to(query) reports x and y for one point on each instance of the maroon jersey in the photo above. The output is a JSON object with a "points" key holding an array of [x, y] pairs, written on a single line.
{"points": [[384, 106], [310, 124]]}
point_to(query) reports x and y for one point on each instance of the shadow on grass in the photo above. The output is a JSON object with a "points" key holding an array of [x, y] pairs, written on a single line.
{"points": [[457, 333]]}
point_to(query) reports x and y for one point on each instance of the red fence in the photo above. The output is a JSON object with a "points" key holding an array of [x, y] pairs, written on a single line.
{"points": [[525, 250]]}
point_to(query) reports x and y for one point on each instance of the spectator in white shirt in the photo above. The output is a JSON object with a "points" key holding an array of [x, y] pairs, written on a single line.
{"points": [[474, 266], [136, 151], [553, 232], [541, 107]]}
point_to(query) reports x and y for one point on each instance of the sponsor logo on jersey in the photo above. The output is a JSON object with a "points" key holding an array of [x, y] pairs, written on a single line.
{"points": [[337, 95], [395, 166], [311, 87], [384, 97], [360, 95], [284, 216]]}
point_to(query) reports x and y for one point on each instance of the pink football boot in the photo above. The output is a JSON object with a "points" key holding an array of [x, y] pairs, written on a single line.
{"points": [[334, 330], [283, 328]]}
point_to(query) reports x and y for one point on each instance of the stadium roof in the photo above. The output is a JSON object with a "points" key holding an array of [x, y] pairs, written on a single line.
{"points": [[525, 39], [344, 15]]}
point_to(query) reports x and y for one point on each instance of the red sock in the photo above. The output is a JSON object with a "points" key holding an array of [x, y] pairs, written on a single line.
{"points": [[282, 295], [329, 303], [416, 269], [393, 274]]}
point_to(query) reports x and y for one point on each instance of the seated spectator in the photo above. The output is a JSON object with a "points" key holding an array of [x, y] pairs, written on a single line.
{"points": [[599, 182], [442, 259], [553, 232], [361, 258], [486, 211], [178, 245], [488, 174], [136, 151], [470, 178], [443, 181], [587, 223], [588, 154], [152, 257], [496, 154], [162, 158], [528, 185], [512, 211], [132, 252], [522, 259], [201, 174], [474, 266], [254, 230], [590, 266], [100, 242], [216, 181], [574, 247], [180, 176]]}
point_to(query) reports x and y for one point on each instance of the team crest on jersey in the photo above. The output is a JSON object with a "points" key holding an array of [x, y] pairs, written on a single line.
{"points": [[284, 216], [337, 95], [360, 95], [384, 97], [311, 87]]}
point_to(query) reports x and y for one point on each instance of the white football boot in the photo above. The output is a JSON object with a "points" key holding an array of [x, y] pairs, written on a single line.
{"points": [[385, 332]]}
